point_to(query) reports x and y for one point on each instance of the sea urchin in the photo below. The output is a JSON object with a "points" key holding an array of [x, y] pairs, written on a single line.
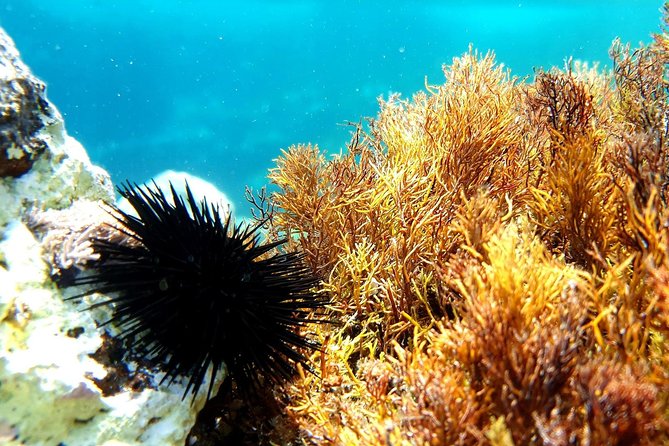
{"points": [[192, 291]]}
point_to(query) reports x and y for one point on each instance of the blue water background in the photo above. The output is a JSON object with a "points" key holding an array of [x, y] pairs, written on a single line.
{"points": [[217, 88]]}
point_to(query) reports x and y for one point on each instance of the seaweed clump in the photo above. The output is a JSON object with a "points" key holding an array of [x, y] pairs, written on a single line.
{"points": [[498, 253]]}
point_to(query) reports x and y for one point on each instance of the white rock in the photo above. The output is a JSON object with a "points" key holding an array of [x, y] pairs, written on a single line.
{"points": [[60, 174], [200, 188], [48, 394]]}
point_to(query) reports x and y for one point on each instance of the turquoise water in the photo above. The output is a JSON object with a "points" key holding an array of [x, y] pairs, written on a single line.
{"points": [[217, 90]]}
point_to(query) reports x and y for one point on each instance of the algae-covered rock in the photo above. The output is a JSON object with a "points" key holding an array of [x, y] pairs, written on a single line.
{"points": [[50, 381], [23, 113], [40, 164], [62, 379]]}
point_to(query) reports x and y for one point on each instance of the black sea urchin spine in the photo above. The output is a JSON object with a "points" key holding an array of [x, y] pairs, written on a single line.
{"points": [[191, 292]]}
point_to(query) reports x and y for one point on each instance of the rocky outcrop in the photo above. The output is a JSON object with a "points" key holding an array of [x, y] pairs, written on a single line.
{"points": [[62, 379], [23, 113]]}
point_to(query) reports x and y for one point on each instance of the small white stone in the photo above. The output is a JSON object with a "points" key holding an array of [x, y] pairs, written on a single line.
{"points": [[200, 188]]}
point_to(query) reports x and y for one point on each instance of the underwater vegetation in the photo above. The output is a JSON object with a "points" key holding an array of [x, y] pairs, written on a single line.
{"points": [[497, 252]]}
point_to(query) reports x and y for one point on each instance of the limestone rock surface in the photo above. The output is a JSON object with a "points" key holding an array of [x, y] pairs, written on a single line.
{"points": [[62, 381]]}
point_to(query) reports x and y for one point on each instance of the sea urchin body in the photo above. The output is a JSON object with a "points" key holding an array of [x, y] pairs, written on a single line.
{"points": [[191, 291]]}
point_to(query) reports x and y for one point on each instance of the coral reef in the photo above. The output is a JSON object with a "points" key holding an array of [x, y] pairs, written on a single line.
{"points": [[497, 253]]}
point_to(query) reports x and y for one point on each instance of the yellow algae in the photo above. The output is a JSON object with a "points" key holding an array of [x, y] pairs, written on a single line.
{"points": [[497, 252]]}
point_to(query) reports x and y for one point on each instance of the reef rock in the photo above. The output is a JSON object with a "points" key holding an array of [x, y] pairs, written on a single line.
{"points": [[61, 377], [40, 165]]}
